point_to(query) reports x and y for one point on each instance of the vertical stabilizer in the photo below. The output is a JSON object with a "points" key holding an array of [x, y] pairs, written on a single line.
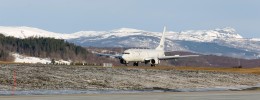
{"points": [[161, 45]]}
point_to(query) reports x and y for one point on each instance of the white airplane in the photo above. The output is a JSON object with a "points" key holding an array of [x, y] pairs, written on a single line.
{"points": [[152, 56]]}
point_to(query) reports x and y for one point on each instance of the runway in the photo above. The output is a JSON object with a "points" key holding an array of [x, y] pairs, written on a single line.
{"points": [[213, 95]]}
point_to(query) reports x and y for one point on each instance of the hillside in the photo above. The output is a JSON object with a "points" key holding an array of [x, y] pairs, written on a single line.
{"points": [[224, 41], [40, 47], [216, 61], [219, 47]]}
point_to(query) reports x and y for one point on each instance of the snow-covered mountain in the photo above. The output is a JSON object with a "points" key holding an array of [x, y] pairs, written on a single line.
{"points": [[206, 35], [224, 41], [25, 32]]}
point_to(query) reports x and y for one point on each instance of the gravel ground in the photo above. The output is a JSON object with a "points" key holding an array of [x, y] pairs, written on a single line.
{"points": [[50, 77]]}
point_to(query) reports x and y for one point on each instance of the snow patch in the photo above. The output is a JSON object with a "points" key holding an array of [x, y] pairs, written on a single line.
{"points": [[26, 59]]}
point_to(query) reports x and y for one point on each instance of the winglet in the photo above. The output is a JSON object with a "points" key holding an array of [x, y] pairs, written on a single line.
{"points": [[161, 45]]}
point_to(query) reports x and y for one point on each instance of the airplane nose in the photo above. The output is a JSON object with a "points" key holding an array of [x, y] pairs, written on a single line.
{"points": [[124, 57]]}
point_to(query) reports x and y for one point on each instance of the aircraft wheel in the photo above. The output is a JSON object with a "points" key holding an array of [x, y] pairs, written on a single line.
{"points": [[135, 64]]}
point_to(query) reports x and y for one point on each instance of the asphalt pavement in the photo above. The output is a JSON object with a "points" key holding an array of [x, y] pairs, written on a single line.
{"points": [[212, 95]]}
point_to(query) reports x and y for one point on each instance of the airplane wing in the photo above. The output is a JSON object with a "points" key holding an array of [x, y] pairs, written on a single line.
{"points": [[176, 57], [110, 55]]}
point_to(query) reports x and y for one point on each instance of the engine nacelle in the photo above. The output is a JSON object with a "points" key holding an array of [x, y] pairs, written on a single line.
{"points": [[155, 61]]}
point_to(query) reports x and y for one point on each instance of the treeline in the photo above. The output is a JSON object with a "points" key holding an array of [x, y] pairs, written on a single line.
{"points": [[41, 47], [5, 56]]}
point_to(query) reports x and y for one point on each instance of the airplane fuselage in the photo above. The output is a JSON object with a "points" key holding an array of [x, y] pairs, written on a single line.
{"points": [[152, 56], [141, 55]]}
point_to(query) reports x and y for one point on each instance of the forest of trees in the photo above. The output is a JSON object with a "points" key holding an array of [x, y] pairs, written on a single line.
{"points": [[61, 49], [41, 47]]}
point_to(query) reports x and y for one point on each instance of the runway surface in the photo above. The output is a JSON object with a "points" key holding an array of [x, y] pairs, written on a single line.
{"points": [[213, 95]]}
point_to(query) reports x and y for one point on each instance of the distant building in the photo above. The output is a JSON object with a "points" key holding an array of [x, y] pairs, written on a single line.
{"points": [[107, 65]]}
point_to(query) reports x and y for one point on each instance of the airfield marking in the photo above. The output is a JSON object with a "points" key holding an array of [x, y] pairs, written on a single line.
{"points": [[14, 82]]}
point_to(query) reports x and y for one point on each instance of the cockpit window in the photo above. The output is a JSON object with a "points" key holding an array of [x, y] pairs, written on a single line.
{"points": [[126, 53]]}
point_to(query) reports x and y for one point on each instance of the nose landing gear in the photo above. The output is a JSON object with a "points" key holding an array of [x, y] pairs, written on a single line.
{"points": [[122, 61]]}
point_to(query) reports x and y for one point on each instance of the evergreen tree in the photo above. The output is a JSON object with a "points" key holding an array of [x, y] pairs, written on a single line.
{"points": [[42, 47]]}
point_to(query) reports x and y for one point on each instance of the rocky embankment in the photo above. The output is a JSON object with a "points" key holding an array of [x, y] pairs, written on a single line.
{"points": [[50, 77]]}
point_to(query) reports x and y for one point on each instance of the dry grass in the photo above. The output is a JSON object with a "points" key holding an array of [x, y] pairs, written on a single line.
{"points": [[60, 77], [5, 62], [234, 70], [9, 62]]}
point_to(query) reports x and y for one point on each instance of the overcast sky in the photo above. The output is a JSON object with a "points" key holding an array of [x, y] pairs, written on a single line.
{"points": [[67, 16]]}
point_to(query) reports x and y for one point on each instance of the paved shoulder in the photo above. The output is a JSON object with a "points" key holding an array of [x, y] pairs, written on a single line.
{"points": [[220, 95]]}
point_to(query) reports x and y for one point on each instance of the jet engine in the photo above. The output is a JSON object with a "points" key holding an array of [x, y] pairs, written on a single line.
{"points": [[154, 62]]}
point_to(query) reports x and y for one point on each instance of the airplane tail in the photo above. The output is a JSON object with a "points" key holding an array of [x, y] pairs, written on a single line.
{"points": [[161, 45]]}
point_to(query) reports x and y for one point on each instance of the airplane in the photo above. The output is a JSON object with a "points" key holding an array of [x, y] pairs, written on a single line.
{"points": [[152, 56]]}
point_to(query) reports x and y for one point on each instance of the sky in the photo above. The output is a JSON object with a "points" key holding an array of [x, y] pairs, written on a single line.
{"points": [[68, 16]]}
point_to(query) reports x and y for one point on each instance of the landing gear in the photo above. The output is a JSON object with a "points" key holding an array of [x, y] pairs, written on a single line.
{"points": [[135, 64], [152, 65], [122, 61], [146, 61]]}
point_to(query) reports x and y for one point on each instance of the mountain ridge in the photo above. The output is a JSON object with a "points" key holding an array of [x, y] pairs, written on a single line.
{"points": [[225, 39], [25, 32]]}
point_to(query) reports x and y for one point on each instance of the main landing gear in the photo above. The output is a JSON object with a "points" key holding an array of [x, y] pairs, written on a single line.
{"points": [[135, 64], [152, 65]]}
